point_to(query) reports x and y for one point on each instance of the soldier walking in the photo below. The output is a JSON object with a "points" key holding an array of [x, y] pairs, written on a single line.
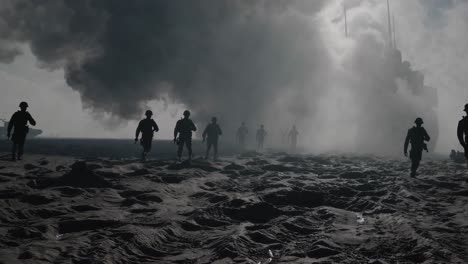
{"points": [[462, 132], [19, 121], [146, 127], [416, 136], [183, 134], [211, 135]]}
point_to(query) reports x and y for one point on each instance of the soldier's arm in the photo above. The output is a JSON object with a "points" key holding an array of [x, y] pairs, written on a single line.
{"points": [[31, 120], [460, 134], [205, 132], [176, 130], [194, 128], [11, 123], [155, 126], [407, 141], [426, 136], [138, 130]]}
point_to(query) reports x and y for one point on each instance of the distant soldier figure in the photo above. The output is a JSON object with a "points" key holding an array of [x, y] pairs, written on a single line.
{"points": [[293, 138], [212, 131], [462, 132], [453, 154], [242, 134], [146, 127], [183, 134], [261, 134], [19, 121], [416, 135]]}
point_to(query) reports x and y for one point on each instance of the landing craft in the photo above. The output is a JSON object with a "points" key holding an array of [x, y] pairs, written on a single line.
{"points": [[4, 130]]}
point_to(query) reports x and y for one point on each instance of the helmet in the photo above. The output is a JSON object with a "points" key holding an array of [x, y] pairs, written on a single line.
{"points": [[466, 108], [148, 112], [23, 104], [418, 121], [186, 113]]}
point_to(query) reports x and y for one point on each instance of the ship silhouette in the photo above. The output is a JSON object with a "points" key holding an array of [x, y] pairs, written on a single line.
{"points": [[395, 75]]}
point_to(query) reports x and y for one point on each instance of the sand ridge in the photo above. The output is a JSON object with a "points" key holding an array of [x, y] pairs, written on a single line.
{"points": [[251, 208]]}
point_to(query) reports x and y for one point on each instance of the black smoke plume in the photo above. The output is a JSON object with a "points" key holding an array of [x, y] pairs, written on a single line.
{"points": [[229, 58]]}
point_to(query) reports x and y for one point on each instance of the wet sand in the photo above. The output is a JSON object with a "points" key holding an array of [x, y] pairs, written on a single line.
{"points": [[250, 208]]}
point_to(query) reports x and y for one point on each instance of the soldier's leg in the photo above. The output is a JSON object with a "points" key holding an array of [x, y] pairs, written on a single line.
{"points": [[180, 148], [415, 156], [189, 147], [13, 150], [146, 149], [21, 141], [215, 149], [414, 166], [208, 147]]}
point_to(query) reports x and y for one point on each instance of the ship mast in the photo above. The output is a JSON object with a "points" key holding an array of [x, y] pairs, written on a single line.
{"points": [[394, 32], [390, 38], [345, 20]]}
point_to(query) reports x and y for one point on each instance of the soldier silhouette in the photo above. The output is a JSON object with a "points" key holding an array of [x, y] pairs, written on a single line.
{"points": [[19, 121], [212, 131], [146, 127], [261, 134], [183, 134], [293, 137], [416, 136], [462, 132], [242, 134]]}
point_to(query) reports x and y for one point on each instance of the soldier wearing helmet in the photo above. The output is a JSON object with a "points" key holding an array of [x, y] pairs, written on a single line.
{"points": [[146, 127], [241, 134], [462, 131], [211, 135], [183, 134], [19, 121], [260, 137], [292, 136], [416, 136]]}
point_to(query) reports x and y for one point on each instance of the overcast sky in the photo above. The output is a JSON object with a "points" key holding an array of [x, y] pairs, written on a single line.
{"points": [[430, 34]]}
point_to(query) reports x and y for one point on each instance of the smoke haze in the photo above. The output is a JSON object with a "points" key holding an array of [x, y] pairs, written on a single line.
{"points": [[274, 62]]}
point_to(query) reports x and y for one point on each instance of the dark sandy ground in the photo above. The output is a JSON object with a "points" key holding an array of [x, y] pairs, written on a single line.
{"points": [[252, 208]]}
